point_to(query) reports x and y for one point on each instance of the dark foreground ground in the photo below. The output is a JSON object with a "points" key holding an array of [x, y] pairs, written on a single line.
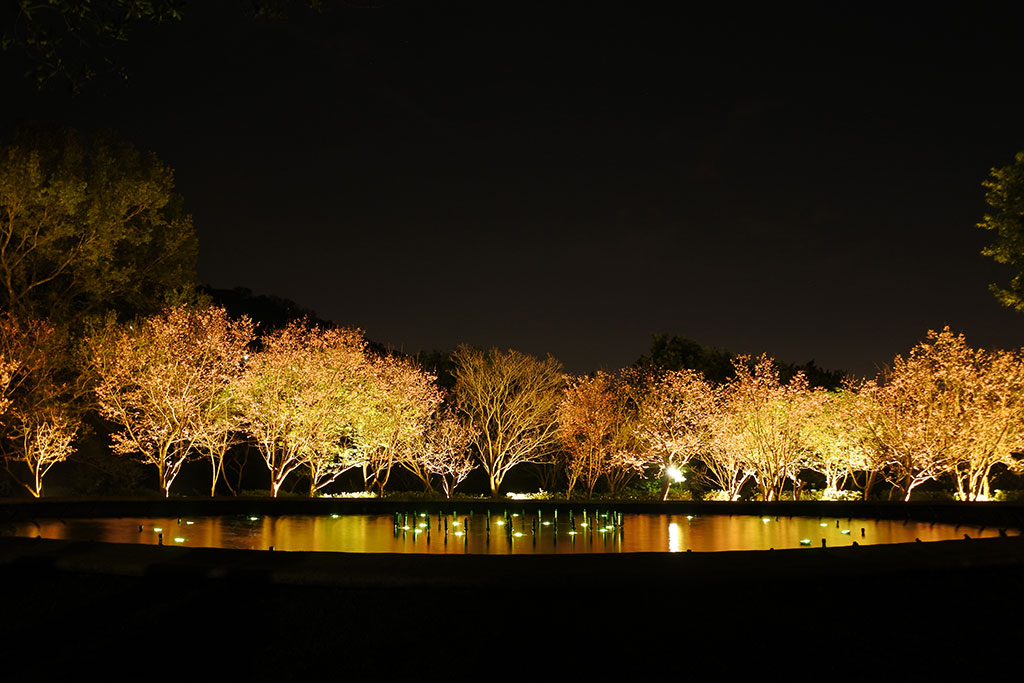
{"points": [[923, 611]]}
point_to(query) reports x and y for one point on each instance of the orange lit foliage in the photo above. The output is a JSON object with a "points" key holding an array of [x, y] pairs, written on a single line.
{"points": [[299, 396], [948, 408], [510, 400], [595, 426], [43, 416], [392, 421], [763, 424], [676, 412], [163, 380], [7, 368]]}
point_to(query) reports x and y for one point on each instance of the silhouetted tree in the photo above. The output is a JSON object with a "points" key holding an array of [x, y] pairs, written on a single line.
{"points": [[1005, 195]]}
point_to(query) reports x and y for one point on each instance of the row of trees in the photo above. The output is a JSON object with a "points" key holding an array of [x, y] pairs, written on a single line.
{"points": [[945, 410], [193, 383]]}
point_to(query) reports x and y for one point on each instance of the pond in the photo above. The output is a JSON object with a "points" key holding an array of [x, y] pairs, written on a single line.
{"points": [[497, 533]]}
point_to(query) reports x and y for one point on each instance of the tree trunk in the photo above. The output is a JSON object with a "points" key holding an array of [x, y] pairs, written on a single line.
{"points": [[869, 484]]}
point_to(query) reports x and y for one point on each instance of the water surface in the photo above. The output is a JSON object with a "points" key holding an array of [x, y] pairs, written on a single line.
{"points": [[524, 533]]}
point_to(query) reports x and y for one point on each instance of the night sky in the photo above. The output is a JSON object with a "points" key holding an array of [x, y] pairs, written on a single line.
{"points": [[803, 180]]}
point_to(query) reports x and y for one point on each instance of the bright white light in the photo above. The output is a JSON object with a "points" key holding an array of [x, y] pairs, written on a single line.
{"points": [[675, 475], [179, 539]]}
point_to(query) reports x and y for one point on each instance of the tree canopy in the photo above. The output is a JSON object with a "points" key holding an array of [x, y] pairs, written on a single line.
{"points": [[1005, 195], [510, 400], [88, 227], [69, 41], [165, 380]]}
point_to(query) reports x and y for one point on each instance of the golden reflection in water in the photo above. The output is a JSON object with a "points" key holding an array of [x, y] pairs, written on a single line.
{"points": [[441, 534], [675, 541]]}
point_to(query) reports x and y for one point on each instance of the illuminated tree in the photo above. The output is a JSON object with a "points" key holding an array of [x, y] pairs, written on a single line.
{"points": [[44, 410], [298, 396], [764, 424], [1005, 195], [221, 433], [7, 368], [393, 419], [724, 465], [445, 452], [596, 428], [993, 427], [510, 400], [89, 227], [948, 408], [676, 411], [838, 446], [163, 380]]}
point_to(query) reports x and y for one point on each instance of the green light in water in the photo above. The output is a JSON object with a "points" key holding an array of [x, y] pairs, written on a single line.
{"points": [[253, 519], [805, 541], [689, 517], [335, 516], [766, 519], [179, 539], [190, 523], [158, 529], [823, 524], [845, 532]]}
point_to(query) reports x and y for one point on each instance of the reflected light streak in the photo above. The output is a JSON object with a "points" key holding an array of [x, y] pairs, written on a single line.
{"points": [[675, 538]]}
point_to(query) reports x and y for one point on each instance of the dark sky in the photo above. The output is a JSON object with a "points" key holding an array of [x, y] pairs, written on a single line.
{"points": [[804, 180]]}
